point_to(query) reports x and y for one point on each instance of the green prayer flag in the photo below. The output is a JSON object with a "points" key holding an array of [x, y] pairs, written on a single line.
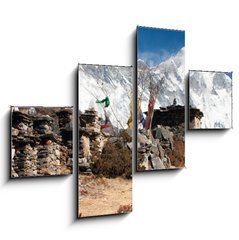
{"points": [[105, 100]]}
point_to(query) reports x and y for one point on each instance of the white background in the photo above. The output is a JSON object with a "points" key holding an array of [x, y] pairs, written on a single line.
{"points": [[41, 43]]}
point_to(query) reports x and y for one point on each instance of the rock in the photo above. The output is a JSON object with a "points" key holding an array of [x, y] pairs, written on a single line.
{"points": [[113, 139], [166, 162], [15, 132], [165, 133], [157, 163], [13, 152], [144, 162], [130, 145], [157, 133], [84, 165], [141, 150], [161, 151], [142, 139], [107, 132], [22, 127], [32, 111], [85, 146], [130, 132], [154, 150], [57, 153]]}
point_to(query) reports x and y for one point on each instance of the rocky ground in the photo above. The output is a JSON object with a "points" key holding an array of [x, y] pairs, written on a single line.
{"points": [[41, 141], [105, 167]]}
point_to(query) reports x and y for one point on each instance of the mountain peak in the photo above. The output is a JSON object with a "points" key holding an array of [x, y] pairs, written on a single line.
{"points": [[169, 75], [141, 64]]}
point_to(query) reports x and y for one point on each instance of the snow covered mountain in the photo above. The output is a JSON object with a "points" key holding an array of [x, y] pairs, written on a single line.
{"points": [[211, 92], [97, 82], [168, 75]]}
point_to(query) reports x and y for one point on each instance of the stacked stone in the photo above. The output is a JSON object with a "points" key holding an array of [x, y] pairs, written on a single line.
{"points": [[43, 124], [65, 126], [84, 154], [154, 155], [43, 128], [24, 159], [64, 117], [52, 157], [90, 143]]}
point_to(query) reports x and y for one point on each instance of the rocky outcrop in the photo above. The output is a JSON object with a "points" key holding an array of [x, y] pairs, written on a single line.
{"points": [[162, 147], [41, 143]]}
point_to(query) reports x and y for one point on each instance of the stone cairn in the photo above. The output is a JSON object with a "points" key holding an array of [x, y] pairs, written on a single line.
{"points": [[24, 159], [90, 139], [38, 148], [152, 155], [65, 127]]}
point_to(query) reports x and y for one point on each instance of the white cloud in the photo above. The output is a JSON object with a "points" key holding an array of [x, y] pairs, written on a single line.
{"points": [[154, 58]]}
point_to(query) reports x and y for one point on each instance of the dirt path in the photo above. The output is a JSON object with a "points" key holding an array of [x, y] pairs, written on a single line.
{"points": [[102, 196]]}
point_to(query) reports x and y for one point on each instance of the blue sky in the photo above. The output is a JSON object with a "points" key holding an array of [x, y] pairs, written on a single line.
{"points": [[155, 45], [229, 74]]}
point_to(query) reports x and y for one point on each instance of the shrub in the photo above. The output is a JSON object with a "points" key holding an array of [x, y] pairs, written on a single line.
{"points": [[115, 160]]}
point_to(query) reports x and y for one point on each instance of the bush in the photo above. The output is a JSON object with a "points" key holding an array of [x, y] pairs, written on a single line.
{"points": [[115, 160]]}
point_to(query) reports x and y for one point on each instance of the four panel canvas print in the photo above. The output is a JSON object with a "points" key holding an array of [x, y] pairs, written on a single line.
{"points": [[160, 99], [105, 140], [210, 100], [41, 141], [41, 137]]}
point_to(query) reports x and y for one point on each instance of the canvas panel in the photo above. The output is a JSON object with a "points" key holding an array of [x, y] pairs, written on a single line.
{"points": [[105, 140], [41, 141], [210, 100], [160, 99]]}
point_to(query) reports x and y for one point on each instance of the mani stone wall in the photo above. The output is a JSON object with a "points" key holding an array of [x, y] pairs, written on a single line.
{"points": [[41, 143], [170, 116]]}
